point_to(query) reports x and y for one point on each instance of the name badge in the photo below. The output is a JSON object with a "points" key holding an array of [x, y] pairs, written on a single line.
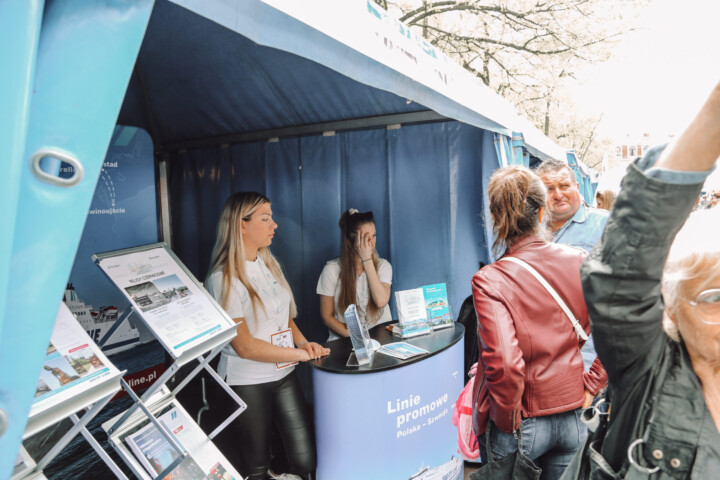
{"points": [[283, 339]]}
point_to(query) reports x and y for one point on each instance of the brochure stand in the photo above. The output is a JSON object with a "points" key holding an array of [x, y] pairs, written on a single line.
{"points": [[189, 324], [364, 347], [76, 375], [25, 467], [162, 440]]}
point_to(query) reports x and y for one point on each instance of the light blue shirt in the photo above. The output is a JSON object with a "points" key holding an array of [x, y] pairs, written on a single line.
{"points": [[584, 229]]}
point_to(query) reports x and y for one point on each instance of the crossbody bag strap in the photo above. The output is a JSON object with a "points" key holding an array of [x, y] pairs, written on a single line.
{"points": [[575, 323]]}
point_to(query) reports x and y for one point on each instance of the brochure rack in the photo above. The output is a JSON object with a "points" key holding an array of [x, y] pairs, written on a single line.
{"points": [[189, 324], [76, 376]]}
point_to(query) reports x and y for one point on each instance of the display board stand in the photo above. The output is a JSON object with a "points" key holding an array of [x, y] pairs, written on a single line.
{"points": [[76, 376], [184, 318]]}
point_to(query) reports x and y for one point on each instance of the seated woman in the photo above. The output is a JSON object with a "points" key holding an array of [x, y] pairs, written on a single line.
{"points": [[358, 277], [664, 382], [531, 385], [247, 281]]}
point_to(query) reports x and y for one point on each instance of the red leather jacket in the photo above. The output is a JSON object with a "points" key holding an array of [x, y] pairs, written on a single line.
{"points": [[529, 350]]}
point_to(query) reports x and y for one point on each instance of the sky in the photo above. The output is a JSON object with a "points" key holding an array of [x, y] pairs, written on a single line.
{"points": [[659, 75]]}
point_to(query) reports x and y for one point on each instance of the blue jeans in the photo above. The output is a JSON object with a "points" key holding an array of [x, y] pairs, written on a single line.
{"points": [[550, 441]]}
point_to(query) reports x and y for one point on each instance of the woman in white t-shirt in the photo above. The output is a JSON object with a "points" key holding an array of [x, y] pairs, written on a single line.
{"points": [[358, 277], [247, 281]]}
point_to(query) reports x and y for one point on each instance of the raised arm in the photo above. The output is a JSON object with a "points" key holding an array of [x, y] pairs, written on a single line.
{"points": [[621, 277]]}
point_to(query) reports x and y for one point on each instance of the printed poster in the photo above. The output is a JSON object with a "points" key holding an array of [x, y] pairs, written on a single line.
{"points": [[73, 364], [175, 308], [155, 453]]}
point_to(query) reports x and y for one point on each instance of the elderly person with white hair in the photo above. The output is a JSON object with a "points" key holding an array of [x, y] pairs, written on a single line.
{"points": [[654, 303]]}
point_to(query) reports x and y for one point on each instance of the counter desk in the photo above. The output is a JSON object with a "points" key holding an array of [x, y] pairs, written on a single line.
{"points": [[390, 419]]}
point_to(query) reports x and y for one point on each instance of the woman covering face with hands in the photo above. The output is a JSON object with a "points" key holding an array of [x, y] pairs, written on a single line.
{"points": [[359, 276], [247, 281]]}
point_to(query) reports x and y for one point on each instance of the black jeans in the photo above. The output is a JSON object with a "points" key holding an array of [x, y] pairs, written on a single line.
{"points": [[277, 404]]}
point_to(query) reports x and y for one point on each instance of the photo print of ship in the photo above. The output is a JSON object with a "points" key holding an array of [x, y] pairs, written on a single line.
{"points": [[98, 322], [117, 219], [158, 292]]}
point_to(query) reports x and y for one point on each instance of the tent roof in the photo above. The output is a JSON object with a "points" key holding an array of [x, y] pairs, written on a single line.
{"points": [[254, 65]]}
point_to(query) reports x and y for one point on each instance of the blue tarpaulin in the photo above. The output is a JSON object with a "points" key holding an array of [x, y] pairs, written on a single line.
{"points": [[321, 105], [213, 100]]}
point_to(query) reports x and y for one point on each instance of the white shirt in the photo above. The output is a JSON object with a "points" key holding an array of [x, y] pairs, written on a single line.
{"points": [[262, 323], [329, 285]]}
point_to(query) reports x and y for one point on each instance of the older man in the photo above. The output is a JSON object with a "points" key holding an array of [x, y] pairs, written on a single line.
{"points": [[570, 220]]}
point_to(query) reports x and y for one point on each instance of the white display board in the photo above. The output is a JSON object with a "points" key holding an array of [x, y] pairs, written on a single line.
{"points": [[74, 375], [173, 304]]}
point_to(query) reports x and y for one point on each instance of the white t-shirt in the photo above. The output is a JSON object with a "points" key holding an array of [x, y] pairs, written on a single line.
{"points": [[262, 323], [329, 285]]}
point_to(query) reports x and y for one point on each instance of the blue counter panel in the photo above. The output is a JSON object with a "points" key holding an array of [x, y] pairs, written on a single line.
{"points": [[389, 424]]}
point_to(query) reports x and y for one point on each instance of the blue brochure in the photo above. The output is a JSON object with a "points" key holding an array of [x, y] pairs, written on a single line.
{"points": [[437, 306]]}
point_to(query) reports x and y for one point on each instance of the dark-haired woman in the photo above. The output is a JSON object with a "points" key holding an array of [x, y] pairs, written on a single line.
{"points": [[532, 383], [359, 276], [246, 279]]}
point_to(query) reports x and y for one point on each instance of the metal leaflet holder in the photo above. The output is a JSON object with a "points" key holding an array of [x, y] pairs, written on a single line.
{"points": [[76, 376], [187, 322]]}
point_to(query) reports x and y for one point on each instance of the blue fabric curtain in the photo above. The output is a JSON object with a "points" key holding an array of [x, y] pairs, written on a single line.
{"points": [[511, 151], [587, 188], [425, 184], [520, 153]]}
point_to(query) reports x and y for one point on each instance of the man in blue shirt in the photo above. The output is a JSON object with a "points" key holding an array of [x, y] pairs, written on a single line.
{"points": [[570, 220]]}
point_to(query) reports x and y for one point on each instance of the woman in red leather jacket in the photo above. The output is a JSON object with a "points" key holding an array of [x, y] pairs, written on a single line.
{"points": [[533, 387]]}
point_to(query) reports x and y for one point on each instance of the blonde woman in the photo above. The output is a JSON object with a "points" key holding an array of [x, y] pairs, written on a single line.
{"points": [[246, 279], [359, 276]]}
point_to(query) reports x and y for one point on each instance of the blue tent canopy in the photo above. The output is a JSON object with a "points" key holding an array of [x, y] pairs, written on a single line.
{"points": [[298, 114], [322, 108]]}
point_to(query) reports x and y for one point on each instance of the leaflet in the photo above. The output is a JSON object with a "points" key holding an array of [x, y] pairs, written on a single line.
{"points": [[73, 364], [410, 306], [155, 453], [437, 306], [173, 305], [423, 308], [402, 350]]}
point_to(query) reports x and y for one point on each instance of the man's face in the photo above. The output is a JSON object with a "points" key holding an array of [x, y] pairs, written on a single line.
{"points": [[563, 195]]}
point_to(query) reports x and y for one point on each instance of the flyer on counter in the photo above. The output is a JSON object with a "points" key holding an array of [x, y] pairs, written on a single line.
{"points": [[402, 350], [437, 306], [73, 364], [155, 453], [424, 308], [410, 306], [174, 306]]}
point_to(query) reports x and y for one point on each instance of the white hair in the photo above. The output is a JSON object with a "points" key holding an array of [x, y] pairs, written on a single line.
{"points": [[694, 253]]}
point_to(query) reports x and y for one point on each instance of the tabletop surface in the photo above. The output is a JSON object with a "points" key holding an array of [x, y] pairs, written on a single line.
{"points": [[341, 348]]}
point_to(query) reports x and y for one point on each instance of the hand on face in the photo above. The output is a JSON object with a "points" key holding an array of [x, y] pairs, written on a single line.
{"points": [[365, 244]]}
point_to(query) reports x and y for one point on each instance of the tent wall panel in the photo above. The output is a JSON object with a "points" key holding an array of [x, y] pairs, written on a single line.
{"points": [[424, 183]]}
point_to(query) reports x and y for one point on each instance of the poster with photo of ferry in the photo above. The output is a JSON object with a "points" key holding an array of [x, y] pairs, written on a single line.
{"points": [[121, 215]]}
